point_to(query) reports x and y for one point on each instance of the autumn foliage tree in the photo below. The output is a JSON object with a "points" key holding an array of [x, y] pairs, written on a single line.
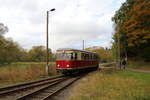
{"points": [[132, 23]]}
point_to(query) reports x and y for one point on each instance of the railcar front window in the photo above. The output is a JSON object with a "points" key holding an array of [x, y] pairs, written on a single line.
{"points": [[66, 56]]}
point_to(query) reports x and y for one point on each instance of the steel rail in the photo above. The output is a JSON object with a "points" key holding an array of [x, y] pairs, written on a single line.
{"points": [[58, 90], [27, 83], [48, 92], [12, 89], [25, 97]]}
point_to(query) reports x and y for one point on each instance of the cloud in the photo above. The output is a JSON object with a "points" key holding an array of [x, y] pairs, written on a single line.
{"points": [[72, 22]]}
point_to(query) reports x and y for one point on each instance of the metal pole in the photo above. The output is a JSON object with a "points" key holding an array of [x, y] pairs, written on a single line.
{"points": [[119, 60], [47, 50], [83, 44], [47, 53]]}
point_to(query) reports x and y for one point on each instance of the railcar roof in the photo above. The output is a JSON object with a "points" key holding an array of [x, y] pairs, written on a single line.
{"points": [[70, 49]]}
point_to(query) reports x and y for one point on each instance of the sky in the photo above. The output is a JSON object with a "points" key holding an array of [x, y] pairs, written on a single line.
{"points": [[71, 22]]}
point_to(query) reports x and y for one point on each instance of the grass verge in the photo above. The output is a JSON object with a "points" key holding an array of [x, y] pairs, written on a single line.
{"points": [[111, 84], [22, 72], [139, 65]]}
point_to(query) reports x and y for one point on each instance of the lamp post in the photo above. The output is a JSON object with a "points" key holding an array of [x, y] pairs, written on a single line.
{"points": [[83, 44], [47, 53]]}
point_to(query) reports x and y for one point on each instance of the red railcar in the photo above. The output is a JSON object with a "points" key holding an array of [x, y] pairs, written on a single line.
{"points": [[71, 60]]}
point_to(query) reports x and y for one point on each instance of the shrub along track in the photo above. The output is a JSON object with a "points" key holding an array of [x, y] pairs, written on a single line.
{"points": [[37, 90]]}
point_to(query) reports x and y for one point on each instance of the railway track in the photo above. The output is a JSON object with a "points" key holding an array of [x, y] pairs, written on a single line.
{"points": [[15, 91], [38, 90]]}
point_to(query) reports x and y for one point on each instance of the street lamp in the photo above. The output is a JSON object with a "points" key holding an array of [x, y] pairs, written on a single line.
{"points": [[47, 53], [83, 45]]}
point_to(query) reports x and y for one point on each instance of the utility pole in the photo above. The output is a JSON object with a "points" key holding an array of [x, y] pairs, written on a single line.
{"points": [[83, 44], [47, 38], [119, 54]]}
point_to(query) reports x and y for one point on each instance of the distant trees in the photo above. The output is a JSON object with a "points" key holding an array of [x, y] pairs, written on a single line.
{"points": [[10, 51], [38, 53], [132, 25]]}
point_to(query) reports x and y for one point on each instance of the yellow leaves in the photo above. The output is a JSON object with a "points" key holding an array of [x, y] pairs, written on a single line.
{"points": [[130, 44], [147, 36], [135, 26]]}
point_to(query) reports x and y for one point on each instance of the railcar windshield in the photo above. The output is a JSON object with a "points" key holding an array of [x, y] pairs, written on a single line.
{"points": [[66, 56]]}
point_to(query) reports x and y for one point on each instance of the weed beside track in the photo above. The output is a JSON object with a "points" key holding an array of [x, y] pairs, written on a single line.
{"points": [[111, 84]]}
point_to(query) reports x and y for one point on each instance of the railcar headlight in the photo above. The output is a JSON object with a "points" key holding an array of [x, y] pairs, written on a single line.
{"points": [[58, 65], [67, 65]]}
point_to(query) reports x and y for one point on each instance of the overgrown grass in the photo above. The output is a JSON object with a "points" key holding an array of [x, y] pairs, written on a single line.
{"points": [[113, 85], [21, 72], [16, 63]]}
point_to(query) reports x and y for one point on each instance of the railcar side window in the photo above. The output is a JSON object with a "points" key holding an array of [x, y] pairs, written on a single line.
{"points": [[66, 56], [83, 56], [94, 57], [86, 56], [75, 54], [72, 56], [90, 56]]}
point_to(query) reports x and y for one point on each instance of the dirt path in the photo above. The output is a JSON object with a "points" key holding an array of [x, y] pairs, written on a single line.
{"points": [[139, 70]]}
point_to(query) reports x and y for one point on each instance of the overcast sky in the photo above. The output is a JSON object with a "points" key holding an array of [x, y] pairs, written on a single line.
{"points": [[72, 22]]}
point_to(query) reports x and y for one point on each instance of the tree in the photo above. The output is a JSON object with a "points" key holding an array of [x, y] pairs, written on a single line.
{"points": [[3, 29], [132, 23], [10, 51], [38, 53]]}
